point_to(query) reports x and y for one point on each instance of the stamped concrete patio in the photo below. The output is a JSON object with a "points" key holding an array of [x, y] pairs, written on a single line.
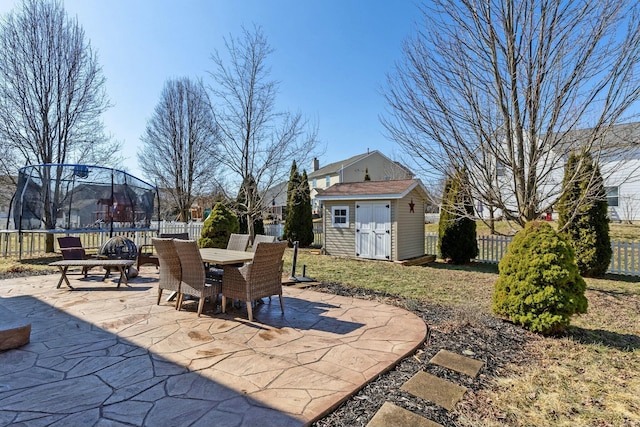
{"points": [[101, 355]]}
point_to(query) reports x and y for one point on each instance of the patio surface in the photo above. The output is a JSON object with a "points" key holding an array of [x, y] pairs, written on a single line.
{"points": [[106, 356]]}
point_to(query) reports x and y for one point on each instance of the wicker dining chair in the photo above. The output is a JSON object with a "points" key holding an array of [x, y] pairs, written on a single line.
{"points": [[238, 242], [169, 264], [257, 279], [146, 254], [262, 238], [194, 279]]}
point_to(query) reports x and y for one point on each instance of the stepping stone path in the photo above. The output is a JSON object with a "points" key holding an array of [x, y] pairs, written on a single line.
{"points": [[431, 388]]}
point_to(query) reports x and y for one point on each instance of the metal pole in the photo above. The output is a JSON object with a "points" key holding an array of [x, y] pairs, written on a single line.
{"points": [[295, 259]]}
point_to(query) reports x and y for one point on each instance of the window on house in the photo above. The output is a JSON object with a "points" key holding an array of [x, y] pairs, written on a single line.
{"points": [[500, 169], [315, 183], [340, 216], [327, 182], [612, 195]]}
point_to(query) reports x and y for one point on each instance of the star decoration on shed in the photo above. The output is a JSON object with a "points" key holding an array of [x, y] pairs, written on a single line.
{"points": [[411, 206]]}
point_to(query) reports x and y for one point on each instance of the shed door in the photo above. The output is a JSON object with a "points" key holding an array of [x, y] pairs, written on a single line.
{"points": [[373, 230]]}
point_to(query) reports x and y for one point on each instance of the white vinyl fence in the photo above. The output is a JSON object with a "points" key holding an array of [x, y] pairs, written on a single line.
{"points": [[33, 242], [625, 259]]}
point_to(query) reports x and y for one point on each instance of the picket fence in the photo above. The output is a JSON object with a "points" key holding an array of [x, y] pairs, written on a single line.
{"points": [[33, 242], [625, 259]]}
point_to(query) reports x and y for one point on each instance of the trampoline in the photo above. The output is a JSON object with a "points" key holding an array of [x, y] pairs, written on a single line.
{"points": [[75, 198]]}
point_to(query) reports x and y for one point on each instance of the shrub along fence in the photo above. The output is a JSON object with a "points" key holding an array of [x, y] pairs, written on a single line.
{"points": [[625, 259]]}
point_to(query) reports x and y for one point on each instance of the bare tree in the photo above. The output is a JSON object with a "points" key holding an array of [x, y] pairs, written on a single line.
{"points": [[257, 142], [51, 93], [502, 87], [179, 142]]}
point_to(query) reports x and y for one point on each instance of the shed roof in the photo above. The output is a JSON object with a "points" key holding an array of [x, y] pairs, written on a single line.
{"points": [[371, 190]]}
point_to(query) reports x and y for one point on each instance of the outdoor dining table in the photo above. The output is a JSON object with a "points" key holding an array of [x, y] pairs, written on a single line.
{"points": [[217, 256]]}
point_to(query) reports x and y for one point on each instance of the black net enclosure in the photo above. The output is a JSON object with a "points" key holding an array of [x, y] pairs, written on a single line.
{"points": [[71, 197]]}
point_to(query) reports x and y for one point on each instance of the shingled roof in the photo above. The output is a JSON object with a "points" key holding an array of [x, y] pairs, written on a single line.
{"points": [[371, 190], [334, 167]]}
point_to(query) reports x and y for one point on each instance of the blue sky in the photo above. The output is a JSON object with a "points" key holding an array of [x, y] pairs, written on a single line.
{"points": [[331, 59]]}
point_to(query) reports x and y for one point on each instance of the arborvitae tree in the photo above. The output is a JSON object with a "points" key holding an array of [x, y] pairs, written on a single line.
{"points": [[582, 215], [306, 221], [457, 229], [298, 224], [290, 231], [218, 226], [539, 285], [241, 209]]}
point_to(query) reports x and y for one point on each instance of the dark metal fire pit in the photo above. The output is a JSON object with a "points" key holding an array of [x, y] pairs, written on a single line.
{"points": [[119, 247]]}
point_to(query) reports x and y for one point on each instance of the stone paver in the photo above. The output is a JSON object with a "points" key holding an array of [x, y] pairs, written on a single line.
{"points": [[100, 355], [456, 362], [429, 387], [390, 415]]}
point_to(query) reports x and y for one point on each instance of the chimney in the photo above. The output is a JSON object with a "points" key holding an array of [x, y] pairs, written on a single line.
{"points": [[315, 165]]}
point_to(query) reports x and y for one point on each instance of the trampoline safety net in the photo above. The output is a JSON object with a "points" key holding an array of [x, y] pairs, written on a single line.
{"points": [[81, 197]]}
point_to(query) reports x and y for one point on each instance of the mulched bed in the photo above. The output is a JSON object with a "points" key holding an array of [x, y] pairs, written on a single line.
{"points": [[495, 342]]}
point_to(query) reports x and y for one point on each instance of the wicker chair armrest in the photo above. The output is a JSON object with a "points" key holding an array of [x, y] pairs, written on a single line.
{"points": [[234, 282], [238, 273]]}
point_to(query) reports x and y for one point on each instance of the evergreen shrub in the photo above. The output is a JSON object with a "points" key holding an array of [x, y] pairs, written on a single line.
{"points": [[298, 224], [218, 226], [582, 214], [457, 238], [539, 286]]}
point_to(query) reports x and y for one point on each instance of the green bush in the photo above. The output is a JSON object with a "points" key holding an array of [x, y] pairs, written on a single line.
{"points": [[582, 215], [457, 238], [298, 224], [539, 285], [218, 226]]}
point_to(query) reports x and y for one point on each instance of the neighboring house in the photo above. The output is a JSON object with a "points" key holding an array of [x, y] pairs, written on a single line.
{"points": [[378, 166], [275, 201], [620, 168], [621, 172], [374, 219]]}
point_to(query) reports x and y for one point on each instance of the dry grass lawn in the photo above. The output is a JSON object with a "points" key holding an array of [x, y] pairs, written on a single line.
{"points": [[589, 377]]}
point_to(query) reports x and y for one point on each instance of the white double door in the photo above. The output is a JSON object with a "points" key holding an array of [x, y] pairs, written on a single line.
{"points": [[373, 230]]}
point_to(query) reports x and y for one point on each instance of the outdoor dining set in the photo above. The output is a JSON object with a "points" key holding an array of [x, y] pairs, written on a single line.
{"points": [[235, 272]]}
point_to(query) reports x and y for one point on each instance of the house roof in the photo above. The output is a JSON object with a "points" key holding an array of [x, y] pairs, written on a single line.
{"points": [[619, 142], [336, 166], [277, 193], [371, 190]]}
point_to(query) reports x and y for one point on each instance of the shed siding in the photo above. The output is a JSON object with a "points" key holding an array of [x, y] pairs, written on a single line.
{"points": [[339, 241], [409, 227]]}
